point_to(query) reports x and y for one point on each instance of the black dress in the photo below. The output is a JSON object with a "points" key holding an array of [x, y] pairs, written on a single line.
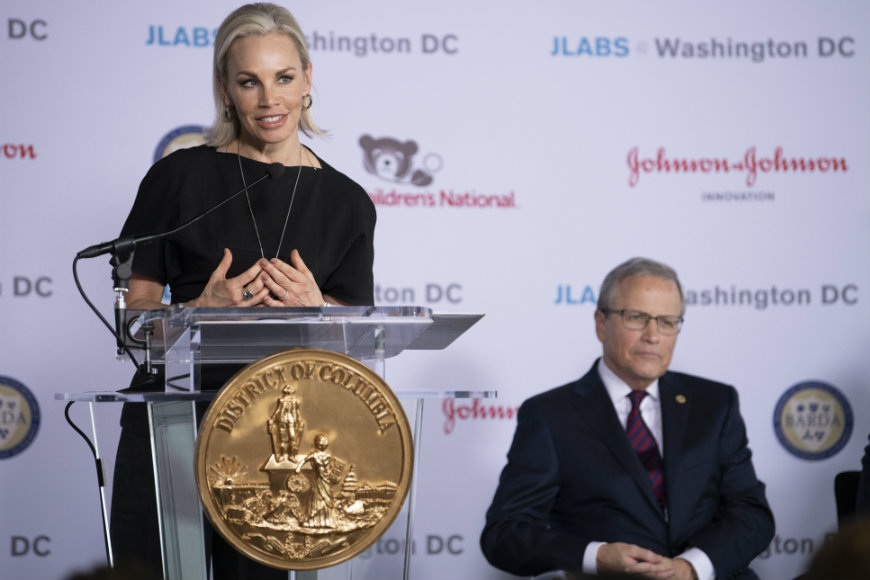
{"points": [[331, 223]]}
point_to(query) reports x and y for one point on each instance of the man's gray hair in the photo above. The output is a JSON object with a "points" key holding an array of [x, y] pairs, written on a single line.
{"points": [[637, 267]]}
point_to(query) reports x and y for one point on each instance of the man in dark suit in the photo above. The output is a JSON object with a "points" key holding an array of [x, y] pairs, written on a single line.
{"points": [[657, 484]]}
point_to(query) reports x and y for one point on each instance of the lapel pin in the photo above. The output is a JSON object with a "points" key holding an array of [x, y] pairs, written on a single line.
{"points": [[681, 399]]}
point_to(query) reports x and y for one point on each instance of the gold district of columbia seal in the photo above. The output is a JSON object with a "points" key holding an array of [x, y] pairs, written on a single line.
{"points": [[304, 459]]}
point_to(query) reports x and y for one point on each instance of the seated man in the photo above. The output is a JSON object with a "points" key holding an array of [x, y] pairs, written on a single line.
{"points": [[586, 488]]}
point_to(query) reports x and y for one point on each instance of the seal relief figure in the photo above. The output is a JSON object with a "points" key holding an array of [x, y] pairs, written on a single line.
{"points": [[304, 459], [286, 426]]}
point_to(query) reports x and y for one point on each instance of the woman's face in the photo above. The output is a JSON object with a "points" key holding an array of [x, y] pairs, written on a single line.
{"points": [[265, 84]]}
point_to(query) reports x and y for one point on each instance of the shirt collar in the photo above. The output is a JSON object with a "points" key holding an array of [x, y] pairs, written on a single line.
{"points": [[617, 389]]}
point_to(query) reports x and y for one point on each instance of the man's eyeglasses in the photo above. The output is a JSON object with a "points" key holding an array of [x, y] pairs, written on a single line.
{"points": [[637, 320]]}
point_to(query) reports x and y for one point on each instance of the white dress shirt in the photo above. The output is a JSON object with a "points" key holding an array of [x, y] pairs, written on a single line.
{"points": [[651, 412]]}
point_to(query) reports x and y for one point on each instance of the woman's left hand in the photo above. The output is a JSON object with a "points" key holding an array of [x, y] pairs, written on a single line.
{"points": [[293, 284]]}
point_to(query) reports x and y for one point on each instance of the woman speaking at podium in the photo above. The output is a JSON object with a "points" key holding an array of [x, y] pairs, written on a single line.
{"points": [[303, 237]]}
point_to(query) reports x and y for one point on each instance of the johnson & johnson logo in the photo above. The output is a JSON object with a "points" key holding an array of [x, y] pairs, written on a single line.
{"points": [[17, 151], [454, 411], [750, 164]]}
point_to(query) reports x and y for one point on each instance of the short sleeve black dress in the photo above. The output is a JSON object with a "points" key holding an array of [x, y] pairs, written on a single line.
{"points": [[331, 222]]}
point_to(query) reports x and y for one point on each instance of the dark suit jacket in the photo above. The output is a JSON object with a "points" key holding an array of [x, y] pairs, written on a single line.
{"points": [[572, 477]]}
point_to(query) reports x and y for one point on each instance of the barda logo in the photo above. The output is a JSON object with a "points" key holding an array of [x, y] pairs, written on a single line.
{"points": [[19, 417], [813, 420], [393, 160], [179, 138]]}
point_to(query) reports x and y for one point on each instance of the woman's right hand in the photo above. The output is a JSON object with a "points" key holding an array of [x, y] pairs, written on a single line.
{"points": [[223, 291]]}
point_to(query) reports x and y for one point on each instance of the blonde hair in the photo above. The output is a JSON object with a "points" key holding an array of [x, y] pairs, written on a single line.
{"points": [[252, 19]]}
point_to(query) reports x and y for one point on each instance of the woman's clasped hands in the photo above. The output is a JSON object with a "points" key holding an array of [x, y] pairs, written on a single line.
{"points": [[267, 283]]}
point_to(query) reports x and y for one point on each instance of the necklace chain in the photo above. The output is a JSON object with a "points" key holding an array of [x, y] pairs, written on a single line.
{"points": [[251, 209]]}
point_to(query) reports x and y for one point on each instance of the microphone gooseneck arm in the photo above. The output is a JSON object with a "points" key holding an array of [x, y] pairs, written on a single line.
{"points": [[122, 250], [122, 245]]}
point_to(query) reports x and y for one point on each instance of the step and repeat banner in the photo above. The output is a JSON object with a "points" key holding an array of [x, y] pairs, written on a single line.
{"points": [[532, 146]]}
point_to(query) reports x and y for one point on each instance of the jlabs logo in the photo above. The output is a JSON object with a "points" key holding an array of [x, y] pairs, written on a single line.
{"points": [[197, 36], [575, 295], [813, 420], [590, 46], [19, 417]]}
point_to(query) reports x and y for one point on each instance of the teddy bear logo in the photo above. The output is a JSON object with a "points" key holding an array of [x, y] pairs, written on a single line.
{"points": [[392, 160]]}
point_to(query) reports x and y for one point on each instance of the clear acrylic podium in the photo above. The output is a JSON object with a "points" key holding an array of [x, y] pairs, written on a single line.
{"points": [[184, 340]]}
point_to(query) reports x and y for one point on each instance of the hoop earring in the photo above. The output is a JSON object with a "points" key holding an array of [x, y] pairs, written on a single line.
{"points": [[228, 114], [307, 104]]}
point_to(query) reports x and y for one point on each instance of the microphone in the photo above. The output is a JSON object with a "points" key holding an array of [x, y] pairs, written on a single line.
{"points": [[122, 250], [126, 244]]}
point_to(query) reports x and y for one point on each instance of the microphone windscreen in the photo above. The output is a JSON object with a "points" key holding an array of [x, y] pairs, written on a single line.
{"points": [[276, 170]]}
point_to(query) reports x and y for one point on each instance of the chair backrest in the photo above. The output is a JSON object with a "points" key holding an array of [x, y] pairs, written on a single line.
{"points": [[845, 492]]}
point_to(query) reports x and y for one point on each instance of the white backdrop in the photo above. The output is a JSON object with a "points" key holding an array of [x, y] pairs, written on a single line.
{"points": [[532, 196]]}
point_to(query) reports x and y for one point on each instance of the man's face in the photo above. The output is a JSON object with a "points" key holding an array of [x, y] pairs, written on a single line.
{"points": [[639, 357]]}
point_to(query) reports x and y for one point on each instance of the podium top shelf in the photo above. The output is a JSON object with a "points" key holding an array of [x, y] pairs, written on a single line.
{"points": [[247, 334]]}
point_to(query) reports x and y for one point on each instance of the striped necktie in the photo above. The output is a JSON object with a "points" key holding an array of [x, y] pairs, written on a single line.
{"points": [[644, 444]]}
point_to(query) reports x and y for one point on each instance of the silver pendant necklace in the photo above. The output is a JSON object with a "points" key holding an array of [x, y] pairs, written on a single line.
{"points": [[251, 209]]}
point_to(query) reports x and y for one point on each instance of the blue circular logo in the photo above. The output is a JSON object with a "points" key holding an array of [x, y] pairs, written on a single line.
{"points": [[180, 138], [19, 417], [813, 420]]}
